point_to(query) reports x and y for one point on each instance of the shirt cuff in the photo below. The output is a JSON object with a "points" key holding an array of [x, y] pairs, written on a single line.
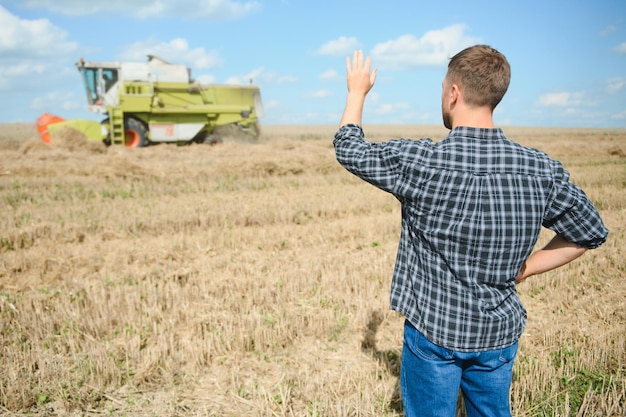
{"points": [[348, 131]]}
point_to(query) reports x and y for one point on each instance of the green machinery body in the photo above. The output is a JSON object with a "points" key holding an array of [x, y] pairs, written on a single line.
{"points": [[156, 102]]}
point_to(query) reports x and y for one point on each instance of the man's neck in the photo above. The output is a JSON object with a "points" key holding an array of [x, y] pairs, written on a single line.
{"points": [[476, 117]]}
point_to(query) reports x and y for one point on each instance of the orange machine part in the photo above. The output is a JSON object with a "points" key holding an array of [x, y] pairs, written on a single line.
{"points": [[42, 125]]}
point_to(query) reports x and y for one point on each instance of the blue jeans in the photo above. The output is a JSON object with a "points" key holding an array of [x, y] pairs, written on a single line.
{"points": [[430, 378]]}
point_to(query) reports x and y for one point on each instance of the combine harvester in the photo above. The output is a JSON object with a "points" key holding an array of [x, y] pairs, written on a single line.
{"points": [[155, 102]]}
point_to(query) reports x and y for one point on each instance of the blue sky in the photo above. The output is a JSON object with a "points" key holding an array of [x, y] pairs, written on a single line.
{"points": [[568, 58]]}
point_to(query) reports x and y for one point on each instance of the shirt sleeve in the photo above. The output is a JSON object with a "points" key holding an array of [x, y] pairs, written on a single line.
{"points": [[572, 215], [376, 163]]}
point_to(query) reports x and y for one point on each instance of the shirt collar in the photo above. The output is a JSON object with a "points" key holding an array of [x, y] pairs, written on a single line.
{"points": [[477, 133]]}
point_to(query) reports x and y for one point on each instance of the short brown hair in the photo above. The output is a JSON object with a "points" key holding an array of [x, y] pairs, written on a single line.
{"points": [[483, 74]]}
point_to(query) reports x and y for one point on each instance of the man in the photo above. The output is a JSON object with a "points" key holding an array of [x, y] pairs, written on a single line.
{"points": [[473, 205]]}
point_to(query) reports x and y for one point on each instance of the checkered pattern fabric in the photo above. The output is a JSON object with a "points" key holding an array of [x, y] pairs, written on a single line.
{"points": [[473, 205]]}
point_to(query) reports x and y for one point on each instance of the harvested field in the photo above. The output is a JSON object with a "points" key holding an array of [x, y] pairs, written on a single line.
{"points": [[253, 280]]}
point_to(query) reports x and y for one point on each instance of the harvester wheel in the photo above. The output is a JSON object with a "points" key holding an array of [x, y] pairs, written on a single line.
{"points": [[135, 135]]}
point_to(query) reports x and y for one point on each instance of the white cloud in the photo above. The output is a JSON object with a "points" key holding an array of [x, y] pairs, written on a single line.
{"points": [[205, 79], [57, 100], [391, 108], [319, 94], [609, 30], [271, 104], [39, 38], [329, 75], [255, 76], [286, 79], [35, 54], [198, 9], [175, 51], [621, 49], [260, 76], [560, 99], [74, 7], [434, 48], [615, 85], [619, 116], [414, 117], [151, 10], [384, 109], [72, 104], [340, 46], [19, 70]]}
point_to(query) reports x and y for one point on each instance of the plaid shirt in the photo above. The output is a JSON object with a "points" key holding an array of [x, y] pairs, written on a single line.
{"points": [[473, 206]]}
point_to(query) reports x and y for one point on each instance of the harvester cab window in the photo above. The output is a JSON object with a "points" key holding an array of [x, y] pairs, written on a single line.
{"points": [[98, 81], [109, 78], [91, 84]]}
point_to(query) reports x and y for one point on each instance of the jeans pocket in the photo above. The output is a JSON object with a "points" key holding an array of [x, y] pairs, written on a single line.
{"points": [[508, 353], [423, 347]]}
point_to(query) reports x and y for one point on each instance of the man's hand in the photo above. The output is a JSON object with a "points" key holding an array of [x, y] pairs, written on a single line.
{"points": [[360, 81]]}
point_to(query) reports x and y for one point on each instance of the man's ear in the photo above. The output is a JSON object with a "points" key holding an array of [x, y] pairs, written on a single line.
{"points": [[455, 94]]}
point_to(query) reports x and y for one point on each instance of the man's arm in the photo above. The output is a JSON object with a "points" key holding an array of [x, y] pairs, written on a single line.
{"points": [[360, 82], [556, 253]]}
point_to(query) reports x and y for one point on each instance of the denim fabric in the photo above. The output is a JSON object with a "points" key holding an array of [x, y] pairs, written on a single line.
{"points": [[431, 376]]}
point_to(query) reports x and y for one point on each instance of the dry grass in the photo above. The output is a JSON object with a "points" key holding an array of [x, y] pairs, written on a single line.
{"points": [[252, 280]]}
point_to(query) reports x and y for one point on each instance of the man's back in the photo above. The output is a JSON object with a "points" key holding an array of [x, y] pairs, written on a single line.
{"points": [[473, 206]]}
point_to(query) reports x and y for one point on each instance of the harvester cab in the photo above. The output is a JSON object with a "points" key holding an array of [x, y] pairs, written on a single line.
{"points": [[156, 102], [101, 84]]}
